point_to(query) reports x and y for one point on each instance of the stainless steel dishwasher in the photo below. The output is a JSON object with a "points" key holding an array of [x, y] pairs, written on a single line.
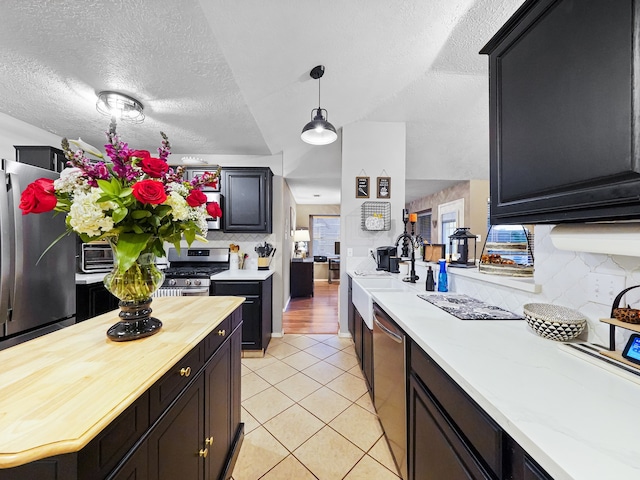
{"points": [[390, 392]]}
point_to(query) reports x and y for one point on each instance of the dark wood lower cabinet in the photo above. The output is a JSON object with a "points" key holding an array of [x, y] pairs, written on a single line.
{"points": [[367, 356], [186, 426], [452, 437], [93, 300], [256, 310], [435, 450], [175, 446]]}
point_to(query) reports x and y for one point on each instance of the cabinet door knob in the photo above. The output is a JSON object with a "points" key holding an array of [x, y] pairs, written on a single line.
{"points": [[222, 333], [203, 452], [208, 441], [185, 372]]}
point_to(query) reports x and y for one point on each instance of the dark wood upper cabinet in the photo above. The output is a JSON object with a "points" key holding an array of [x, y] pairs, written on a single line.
{"points": [[247, 199], [563, 109]]}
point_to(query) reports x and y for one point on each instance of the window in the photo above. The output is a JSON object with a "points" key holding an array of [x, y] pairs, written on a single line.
{"points": [[325, 232], [451, 216], [423, 226]]}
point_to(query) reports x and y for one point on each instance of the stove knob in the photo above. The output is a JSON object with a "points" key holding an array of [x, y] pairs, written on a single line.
{"points": [[172, 282], [197, 282], [187, 282]]}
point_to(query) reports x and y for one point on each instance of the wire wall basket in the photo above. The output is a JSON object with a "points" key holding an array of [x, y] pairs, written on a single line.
{"points": [[376, 216]]}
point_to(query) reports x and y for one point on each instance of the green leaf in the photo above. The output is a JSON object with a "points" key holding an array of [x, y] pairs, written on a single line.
{"points": [[162, 210], [137, 229], [119, 214], [189, 236], [138, 214], [109, 187], [130, 246], [125, 192]]}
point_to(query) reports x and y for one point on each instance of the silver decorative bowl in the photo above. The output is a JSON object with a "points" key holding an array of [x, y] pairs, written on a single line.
{"points": [[554, 322]]}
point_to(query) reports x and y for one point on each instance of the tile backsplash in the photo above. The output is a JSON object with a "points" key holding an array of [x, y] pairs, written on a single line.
{"points": [[564, 277]]}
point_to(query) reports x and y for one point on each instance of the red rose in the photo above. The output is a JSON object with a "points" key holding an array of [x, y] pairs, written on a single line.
{"points": [[212, 184], [149, 191], [196, 198], [38, 197], [154, 167], [139, 154], [213, 209]]}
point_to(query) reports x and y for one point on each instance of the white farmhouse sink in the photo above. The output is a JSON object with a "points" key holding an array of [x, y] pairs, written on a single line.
{"points": [[362, 288]]}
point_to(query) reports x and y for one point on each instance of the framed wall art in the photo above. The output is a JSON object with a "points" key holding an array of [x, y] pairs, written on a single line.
{"points": [[362, 187], [384, 187]]}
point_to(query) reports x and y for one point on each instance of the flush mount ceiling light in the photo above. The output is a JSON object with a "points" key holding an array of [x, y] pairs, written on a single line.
{"points": [[119, 106], [318, 131], [193, 161]]}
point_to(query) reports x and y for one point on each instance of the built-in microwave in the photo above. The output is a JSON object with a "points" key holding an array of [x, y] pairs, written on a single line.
{"points": [[96, 257], [211, 223]]}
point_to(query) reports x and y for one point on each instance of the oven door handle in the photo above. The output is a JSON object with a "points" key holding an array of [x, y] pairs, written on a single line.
{"points": [[194, 292]]}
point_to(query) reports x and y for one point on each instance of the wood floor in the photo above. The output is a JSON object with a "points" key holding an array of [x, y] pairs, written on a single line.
{"points": [[317, 314]]}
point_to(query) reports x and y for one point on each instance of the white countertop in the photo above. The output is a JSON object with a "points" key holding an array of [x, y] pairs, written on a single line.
{"points": [[574, 418], [243, 275], [90, 278]]}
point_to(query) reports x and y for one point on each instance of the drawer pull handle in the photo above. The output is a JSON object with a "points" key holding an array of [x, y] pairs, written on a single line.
{"points": [[203, 452], [208, 441], [222, 333], [185, 372]]}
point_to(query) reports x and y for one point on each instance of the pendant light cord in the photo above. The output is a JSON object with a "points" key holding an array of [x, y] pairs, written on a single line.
{"points": [[319, 104]]}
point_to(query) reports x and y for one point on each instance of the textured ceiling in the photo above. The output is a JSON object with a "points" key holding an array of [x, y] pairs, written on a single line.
{"points": [[225, 77]]}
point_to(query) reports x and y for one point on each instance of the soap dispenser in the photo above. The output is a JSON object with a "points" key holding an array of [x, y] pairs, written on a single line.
{"points": [[431, 283], [442, 276]]}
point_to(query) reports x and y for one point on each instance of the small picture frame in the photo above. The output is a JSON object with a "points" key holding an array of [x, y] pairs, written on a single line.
{"points": [[384, 187], [362, 187]]}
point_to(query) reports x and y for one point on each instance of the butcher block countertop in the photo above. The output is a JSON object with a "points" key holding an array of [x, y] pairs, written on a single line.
{"points": [[57, 392]]}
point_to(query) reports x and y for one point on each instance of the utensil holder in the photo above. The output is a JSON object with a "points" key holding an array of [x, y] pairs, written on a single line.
{"points": [[263, 263]]}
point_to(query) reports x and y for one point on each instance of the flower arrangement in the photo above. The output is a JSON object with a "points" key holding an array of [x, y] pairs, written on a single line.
{"points": [[125, 196]]}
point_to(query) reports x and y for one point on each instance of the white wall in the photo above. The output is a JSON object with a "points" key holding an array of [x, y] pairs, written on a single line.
{"points": [[373, 149], [15, 132]]}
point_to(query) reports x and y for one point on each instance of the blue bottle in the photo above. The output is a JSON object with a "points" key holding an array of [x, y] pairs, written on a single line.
{"points": [[442, 276]]}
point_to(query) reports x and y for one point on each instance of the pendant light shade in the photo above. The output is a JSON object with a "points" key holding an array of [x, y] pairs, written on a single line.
{"points": [[318, 131]]}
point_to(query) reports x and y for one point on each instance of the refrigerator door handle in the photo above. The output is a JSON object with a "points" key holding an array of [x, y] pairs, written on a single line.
{"points": [[5, 249], [18, 238]]}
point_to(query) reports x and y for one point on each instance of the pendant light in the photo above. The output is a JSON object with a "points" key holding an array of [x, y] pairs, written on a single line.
{"points": [[318, 131]]}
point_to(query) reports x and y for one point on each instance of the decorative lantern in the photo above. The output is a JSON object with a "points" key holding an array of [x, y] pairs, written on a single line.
{"points": [[460, 244]]}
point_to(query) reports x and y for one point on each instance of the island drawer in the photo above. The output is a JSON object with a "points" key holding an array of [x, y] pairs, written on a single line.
{"points": [[164, 391], [235, 288], [217, 337], [482, 433]]}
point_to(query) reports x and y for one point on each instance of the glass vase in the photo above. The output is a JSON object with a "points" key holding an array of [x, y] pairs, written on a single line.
{"points": [[134, 288]]}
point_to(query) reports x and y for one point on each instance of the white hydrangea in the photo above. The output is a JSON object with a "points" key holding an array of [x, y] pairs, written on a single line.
{"points": [[71, 181], [180, 209], [199, 217], [178, 188], [87, 216]]}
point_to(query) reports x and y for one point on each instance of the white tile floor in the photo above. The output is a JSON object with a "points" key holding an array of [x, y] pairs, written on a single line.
{"points": [[308, 415]]}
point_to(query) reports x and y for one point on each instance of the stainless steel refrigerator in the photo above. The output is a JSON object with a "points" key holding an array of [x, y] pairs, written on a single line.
{"points": [[35, 298]]}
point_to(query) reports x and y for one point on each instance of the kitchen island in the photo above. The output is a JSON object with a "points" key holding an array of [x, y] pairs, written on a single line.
{"points": [[71, 397], [571, 417]]}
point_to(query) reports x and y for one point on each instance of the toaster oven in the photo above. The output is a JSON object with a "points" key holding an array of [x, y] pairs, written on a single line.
{"points": [[96, 257]]}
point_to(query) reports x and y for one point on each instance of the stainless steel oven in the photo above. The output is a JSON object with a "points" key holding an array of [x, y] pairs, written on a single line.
{"points": [[96, 257], [190, 271]]}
